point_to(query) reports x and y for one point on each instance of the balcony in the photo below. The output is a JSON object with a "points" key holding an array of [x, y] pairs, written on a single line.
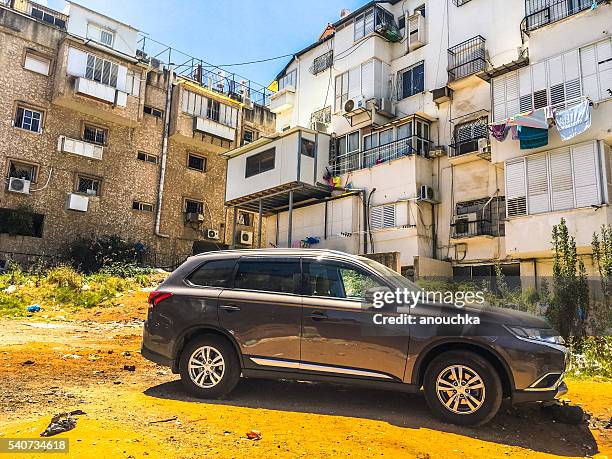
{"points": [[466, 59], [42, 13], [410, 146], [282, 100], [212, 127], [540, 13], [470, 141], [466, 229], [79, 147], [100, 92]]}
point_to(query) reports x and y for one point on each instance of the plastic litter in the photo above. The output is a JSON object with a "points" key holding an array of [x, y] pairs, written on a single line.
{"points": [[34, 308], [62, 422]]}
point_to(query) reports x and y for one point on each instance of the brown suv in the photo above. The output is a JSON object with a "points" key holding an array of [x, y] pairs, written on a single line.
{"points": [[309, 315]]}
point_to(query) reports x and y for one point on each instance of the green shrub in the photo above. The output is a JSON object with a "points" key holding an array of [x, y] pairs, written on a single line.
{"points": [[64, 276], [91, 255], [126, 270], [591, 356]]}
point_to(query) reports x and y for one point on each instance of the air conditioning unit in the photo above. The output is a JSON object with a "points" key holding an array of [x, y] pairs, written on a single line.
{"points": [[387, 108], [426, 193], [212, 234], [155, 63], [461, 225], [248, 103], [416, 31], [19, 185], [77, 202], [194, 217], [441, 95], [484, 146], [246, 237], [437, 151], [357, 103]]}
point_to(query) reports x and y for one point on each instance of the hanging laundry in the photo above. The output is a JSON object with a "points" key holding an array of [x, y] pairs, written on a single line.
{"points": [[514, 130], [532, 137], [574, 120], [534, 119], [499, 131]]}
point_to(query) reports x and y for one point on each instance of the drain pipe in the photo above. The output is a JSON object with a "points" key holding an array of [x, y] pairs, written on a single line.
{"points": [[164, 153]]}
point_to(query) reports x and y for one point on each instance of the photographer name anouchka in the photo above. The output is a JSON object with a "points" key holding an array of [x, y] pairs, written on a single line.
{"points": [[407, 319]]}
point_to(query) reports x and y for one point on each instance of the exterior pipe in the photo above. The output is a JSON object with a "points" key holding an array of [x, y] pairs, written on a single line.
{"points": [[164, 153]]}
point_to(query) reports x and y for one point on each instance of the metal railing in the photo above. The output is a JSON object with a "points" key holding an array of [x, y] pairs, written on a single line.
{"points": [[540, 13], [462, 229], [460, 2], [467, 58], [467, 135], [322, 62], [207, 75], [409, 146]]}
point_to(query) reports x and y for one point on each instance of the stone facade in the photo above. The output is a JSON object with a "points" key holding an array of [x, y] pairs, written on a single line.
{"points": [[123, 180]]}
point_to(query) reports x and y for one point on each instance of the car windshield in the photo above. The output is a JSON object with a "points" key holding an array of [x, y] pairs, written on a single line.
{"points": [[395, 278]]}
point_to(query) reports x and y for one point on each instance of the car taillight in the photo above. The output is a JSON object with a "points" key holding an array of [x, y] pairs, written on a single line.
{"points": [[155, 297]]}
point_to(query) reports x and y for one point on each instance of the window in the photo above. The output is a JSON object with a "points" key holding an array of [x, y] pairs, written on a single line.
{"points": [[101, 70], [467, 135], [411, 81], [194, 207], [46, 16], [270, 275], [567, 178], [196, 162], [143, 206], [30, 223], [338, 280], [288, 81], [101, 35], [372, 20], [402, 22], [22, 170], [383, 217], [261, 162], [307, 147], [88, 185], [247, 137], [28, 119], [322, 63], [94, 134], [213, 110], [347, 150], [146, 157], [203, 107], [420, 9], [132, 83], [37, 63], [342, 91], [215, 273], [490, 215], [244, 218], [153, 111]]}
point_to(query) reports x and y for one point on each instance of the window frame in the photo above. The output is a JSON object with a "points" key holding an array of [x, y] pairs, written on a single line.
{"points": [[138, 206], [298, 283], [113, 70], [35, 168], [94, 179], [248, 174], [27, 108], [152, 111], [98, 129], [307, 147], [33, 54], [200, 205], [97, 36], [146, 157], [287, 79], [229, 282], [413, 90], [197, 156]]}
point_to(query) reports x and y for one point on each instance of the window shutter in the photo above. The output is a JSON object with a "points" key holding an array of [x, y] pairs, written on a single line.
{"points": [[516, 199], [562, 196], [588, 64], [512, 94], [604, 59], [354, 83], [367, 80], [389, 216], [525, 90], [499, 98], [77, 62], [537, 184], [540, 94], [376, 218], [571, 67], [556, 80], [584, 161], [121, 78]]}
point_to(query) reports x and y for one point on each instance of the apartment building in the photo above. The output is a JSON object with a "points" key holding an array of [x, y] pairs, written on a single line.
{"points": [[383, 137], [102, 134]]}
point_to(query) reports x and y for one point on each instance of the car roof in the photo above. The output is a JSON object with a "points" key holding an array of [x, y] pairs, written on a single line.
{"points": [[276, 252]]}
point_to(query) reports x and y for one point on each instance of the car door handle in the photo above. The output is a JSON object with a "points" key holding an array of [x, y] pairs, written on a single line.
{"points": [[317, 316], [229, 307]]}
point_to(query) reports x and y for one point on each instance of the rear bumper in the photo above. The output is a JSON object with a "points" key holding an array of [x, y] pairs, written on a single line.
{"points": [[524, 396], [157, 358]]}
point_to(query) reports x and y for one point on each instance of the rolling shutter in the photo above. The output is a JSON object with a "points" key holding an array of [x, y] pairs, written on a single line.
{"points": [[354, 88], [537, 184], [367, 79], [562, 189], [604, 67], [77, 62], [516, 193], [585, 168], [588, 64], [499, 98]]}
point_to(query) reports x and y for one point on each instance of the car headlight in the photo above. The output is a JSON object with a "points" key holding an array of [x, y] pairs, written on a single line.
{"points": [[538, 334]]}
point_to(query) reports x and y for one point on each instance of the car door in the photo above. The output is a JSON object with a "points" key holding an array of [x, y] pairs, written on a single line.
{"points": [[339, 335], [263, 311]]}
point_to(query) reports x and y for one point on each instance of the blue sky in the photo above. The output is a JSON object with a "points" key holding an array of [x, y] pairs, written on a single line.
{"points": [[225, 32]]}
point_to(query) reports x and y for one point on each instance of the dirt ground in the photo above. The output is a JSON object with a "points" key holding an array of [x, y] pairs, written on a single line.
{"points": [[61, 360]]}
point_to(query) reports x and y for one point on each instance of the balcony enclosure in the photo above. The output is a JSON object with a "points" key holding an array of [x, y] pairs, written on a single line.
{"points": [[467, 134], [466, 58], [539, 13], [387, 144], [481, 217], [379, 20]]}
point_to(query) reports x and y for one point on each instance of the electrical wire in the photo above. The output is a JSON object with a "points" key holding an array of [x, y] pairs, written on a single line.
{"points": [[253, 62]]}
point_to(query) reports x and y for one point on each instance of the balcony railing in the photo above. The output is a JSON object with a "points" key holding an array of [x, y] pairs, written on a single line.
{"points": [[409, 146], [464, 229], [466, 58], [540, 13], [467, 136], [43, 13]]}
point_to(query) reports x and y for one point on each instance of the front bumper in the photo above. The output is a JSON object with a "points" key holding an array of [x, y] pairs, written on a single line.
{"points": [[524, 396]]}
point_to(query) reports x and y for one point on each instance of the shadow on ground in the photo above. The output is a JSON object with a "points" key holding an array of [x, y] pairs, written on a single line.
{"points": [[525, 426]]}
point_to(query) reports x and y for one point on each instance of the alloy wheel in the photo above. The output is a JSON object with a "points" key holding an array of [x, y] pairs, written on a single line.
{"points": [[460, 389], [206, 367]]}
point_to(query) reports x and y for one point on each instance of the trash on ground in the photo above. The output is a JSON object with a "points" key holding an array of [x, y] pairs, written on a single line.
{"points": [[129, 367], [34, 308], [254, 435], [10, 289], [28, 362], [71, 356], [62, 422], [164, 420]]}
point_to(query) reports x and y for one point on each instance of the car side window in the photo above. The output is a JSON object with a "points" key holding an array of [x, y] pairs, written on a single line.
{"points": [[214, 273], [281, 276], [339, 280]]}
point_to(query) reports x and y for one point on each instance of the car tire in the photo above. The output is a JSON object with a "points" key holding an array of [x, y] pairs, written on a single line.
{"points": [[207, 378], [474, 399]]}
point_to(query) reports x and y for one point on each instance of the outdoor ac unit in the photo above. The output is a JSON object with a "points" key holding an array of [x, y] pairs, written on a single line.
{"points": [[212, 234], [426, 193], [357, 103], [246, 237], [248, 103], [462, 227], [387, 108], [441, 95], [155, 63], [484, 146], [416, 31], [437, 151], [77, 202], [194, 217], [19, 185]]}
